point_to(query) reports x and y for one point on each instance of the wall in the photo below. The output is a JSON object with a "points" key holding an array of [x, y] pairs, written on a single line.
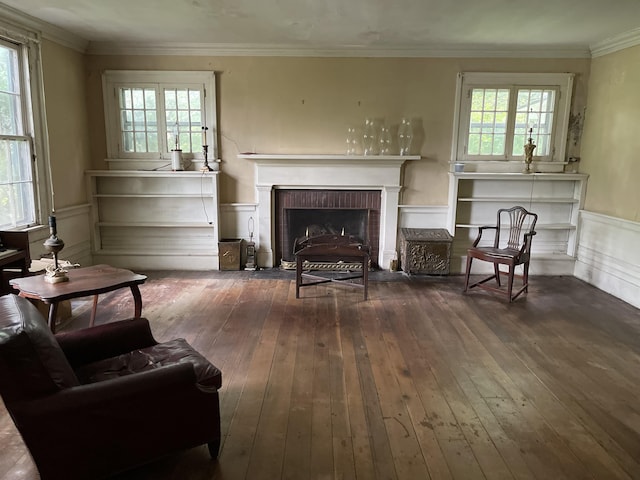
{"points": [[610, 225], [66, 109], [304, 105], [611, 139]]}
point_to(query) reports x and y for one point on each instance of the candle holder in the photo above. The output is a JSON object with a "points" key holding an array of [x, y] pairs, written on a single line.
{"points": [[205, 154], [529, 147]]}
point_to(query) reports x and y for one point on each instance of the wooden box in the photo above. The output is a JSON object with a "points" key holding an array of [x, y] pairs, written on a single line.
{"points": [[425, 251]]}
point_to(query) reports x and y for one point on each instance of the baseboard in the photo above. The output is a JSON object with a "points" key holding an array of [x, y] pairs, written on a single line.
{"points": [[608, 256]]}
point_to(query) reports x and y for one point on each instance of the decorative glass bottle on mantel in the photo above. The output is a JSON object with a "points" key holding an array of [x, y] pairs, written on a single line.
{"points": [[405, 136], [369, 138], [385, 141], [352, 141]]}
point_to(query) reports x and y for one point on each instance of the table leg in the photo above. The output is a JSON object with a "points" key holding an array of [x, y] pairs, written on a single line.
{"points": [[93, 311], [53, 312], [298, 276], [137, 301], [365, 274]]}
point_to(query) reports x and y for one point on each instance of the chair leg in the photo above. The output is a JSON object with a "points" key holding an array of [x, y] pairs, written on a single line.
{"points": [[496, 272], [510, 285], [466, 277], [525, 276]]}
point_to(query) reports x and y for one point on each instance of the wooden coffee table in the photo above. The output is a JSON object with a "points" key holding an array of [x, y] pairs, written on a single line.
{"points": [[82, 282]]}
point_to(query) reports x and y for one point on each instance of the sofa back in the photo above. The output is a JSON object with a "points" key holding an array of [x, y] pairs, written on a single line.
{"points": [[32, 364]]}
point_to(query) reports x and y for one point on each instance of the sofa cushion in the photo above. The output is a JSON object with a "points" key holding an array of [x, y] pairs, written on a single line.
{"points": [[157, 356], [32, 362]]}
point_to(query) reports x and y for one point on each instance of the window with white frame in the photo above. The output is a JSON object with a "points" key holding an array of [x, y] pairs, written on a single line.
{"points": [[497, 113], [150, 113], [22, 198]]}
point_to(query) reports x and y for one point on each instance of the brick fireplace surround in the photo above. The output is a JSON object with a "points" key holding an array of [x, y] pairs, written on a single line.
{"points": [[327, 172]]}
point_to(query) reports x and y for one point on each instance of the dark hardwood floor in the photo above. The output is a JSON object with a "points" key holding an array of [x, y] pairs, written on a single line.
{"points": [[418, 382]]}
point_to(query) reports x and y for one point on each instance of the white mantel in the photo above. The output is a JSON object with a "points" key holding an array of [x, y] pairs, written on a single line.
{"points": [[286, 171]]}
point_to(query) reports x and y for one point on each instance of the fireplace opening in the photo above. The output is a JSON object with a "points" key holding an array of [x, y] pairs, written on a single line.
{"points": [[308, 213], [312, 222]]}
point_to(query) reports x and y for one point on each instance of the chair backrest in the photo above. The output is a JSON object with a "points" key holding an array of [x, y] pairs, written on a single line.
{"points": [[513, 223], [32, 364]]}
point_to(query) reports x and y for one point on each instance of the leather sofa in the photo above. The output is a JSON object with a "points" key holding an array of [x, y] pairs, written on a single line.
{"points": [[97, 401]]}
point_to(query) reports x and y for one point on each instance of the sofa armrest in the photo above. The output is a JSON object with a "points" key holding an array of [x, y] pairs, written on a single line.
{"points": [[104, 341]]}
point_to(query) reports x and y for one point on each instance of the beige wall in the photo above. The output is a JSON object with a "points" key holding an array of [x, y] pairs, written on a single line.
{"points": [[611, 138], [304, 105], [66, 108]]}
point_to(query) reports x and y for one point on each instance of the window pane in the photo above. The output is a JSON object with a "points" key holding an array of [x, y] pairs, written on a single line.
{"points": [[534, 118], [488, 121], [151, 121], [16, 184], [196, 120], [10, 117], [474, 145], [138, 98], [194, 99], [183, 99], [138, 118], [152, 139], [170, 102], [127, 142], [150, 99], [183, 107], [10, 99]]}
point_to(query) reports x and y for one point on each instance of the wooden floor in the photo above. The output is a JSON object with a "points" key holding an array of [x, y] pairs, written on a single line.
{"points": [[418, 382]]}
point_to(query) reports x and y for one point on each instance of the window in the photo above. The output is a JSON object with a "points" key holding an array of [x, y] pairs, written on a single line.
{"points": [[19, 199], [150, 113], [498, 113]]}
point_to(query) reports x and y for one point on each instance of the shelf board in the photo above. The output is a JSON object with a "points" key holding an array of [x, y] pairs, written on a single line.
{"points": [[201, 224], [151, 252], [154, 195], [539, 226], [519, 199]]}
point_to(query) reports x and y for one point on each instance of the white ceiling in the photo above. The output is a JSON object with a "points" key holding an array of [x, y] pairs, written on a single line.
{"points": [[354, 25]]}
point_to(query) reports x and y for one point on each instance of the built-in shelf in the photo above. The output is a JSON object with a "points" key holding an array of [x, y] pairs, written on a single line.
{"points": [[475, 197], [155, 219]]}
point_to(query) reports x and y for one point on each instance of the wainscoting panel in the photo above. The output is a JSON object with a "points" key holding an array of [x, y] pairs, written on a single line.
{"points": [[608, 255]]}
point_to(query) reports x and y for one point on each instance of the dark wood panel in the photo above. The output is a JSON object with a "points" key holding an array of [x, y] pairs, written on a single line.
{"points": [[420, 381]]}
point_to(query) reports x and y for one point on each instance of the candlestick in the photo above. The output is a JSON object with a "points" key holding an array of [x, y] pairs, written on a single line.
{"points": [[204, 135]]}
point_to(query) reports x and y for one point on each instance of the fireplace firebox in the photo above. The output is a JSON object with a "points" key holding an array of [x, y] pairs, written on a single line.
{"points": [[308, 213]]}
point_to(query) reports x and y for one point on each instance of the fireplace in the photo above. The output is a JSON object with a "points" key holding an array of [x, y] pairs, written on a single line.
{"points": [[307, 213], [377, 175]]}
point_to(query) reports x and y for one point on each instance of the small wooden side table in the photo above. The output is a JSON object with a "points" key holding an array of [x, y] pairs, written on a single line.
{"points": [[83, 282]]}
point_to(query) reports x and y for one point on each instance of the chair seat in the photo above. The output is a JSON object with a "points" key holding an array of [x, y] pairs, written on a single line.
{"points": [[157, 356], [495, 252]]}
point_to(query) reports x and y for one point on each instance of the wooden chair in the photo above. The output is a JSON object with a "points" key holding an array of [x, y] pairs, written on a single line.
{"points": [[514, 230]]}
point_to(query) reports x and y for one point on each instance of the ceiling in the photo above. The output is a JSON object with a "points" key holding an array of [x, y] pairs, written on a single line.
{"points": [[347, 25]]}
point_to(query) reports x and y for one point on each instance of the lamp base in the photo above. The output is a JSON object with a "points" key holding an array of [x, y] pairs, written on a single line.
{"points": [[56, 278]]}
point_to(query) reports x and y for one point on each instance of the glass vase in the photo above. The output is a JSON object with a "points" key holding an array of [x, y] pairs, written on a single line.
{"points": [[369, 138], [384, 141], [405, 136]]}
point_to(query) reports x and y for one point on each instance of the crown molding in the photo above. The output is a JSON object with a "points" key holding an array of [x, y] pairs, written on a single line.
{"points": [[619, 42], [46, 30], [225, 50]]}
